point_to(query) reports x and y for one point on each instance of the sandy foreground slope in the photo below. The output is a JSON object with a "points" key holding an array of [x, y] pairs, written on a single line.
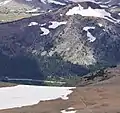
{"points": [[3, 84], [98, 98]]}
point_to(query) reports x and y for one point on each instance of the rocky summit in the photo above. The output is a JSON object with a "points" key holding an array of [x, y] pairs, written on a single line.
{"points": [[40, 38]]}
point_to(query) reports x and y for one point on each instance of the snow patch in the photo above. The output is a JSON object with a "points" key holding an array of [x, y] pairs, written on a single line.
{"points": [[61, 14], [45, 31], [43, 53], [25, 95], [71, 108], [87, 28], [104, 6], [43, 24], [69, 111], [100, 24], [91, 37], [36, 14], [33, 24], [56, 24], [33, 10], [82, 0], [29, 0]]}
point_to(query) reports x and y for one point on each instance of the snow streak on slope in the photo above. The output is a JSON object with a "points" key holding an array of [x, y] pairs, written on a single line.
{"points": [[82, 0], [91, 37], [56, 24], [22, 95], [52, 1], [5, 2], [33, 24]]}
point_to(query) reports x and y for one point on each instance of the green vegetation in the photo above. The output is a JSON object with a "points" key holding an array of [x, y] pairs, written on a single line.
{"points": [[63, 81]]}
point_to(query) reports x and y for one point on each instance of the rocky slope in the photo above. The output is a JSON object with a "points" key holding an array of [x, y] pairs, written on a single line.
{"points": [[96, 78], [71, 40]]}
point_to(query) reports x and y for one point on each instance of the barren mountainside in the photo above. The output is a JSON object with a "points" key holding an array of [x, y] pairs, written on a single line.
{"points": [[68, 39]]}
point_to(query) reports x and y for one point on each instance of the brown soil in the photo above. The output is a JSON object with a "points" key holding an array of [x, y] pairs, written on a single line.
{"points": [[3, 84], [100, 98]]}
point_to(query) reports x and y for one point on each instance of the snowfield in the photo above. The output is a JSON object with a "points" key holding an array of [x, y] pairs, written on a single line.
{"points": [[101, 13], [25, 95]]}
